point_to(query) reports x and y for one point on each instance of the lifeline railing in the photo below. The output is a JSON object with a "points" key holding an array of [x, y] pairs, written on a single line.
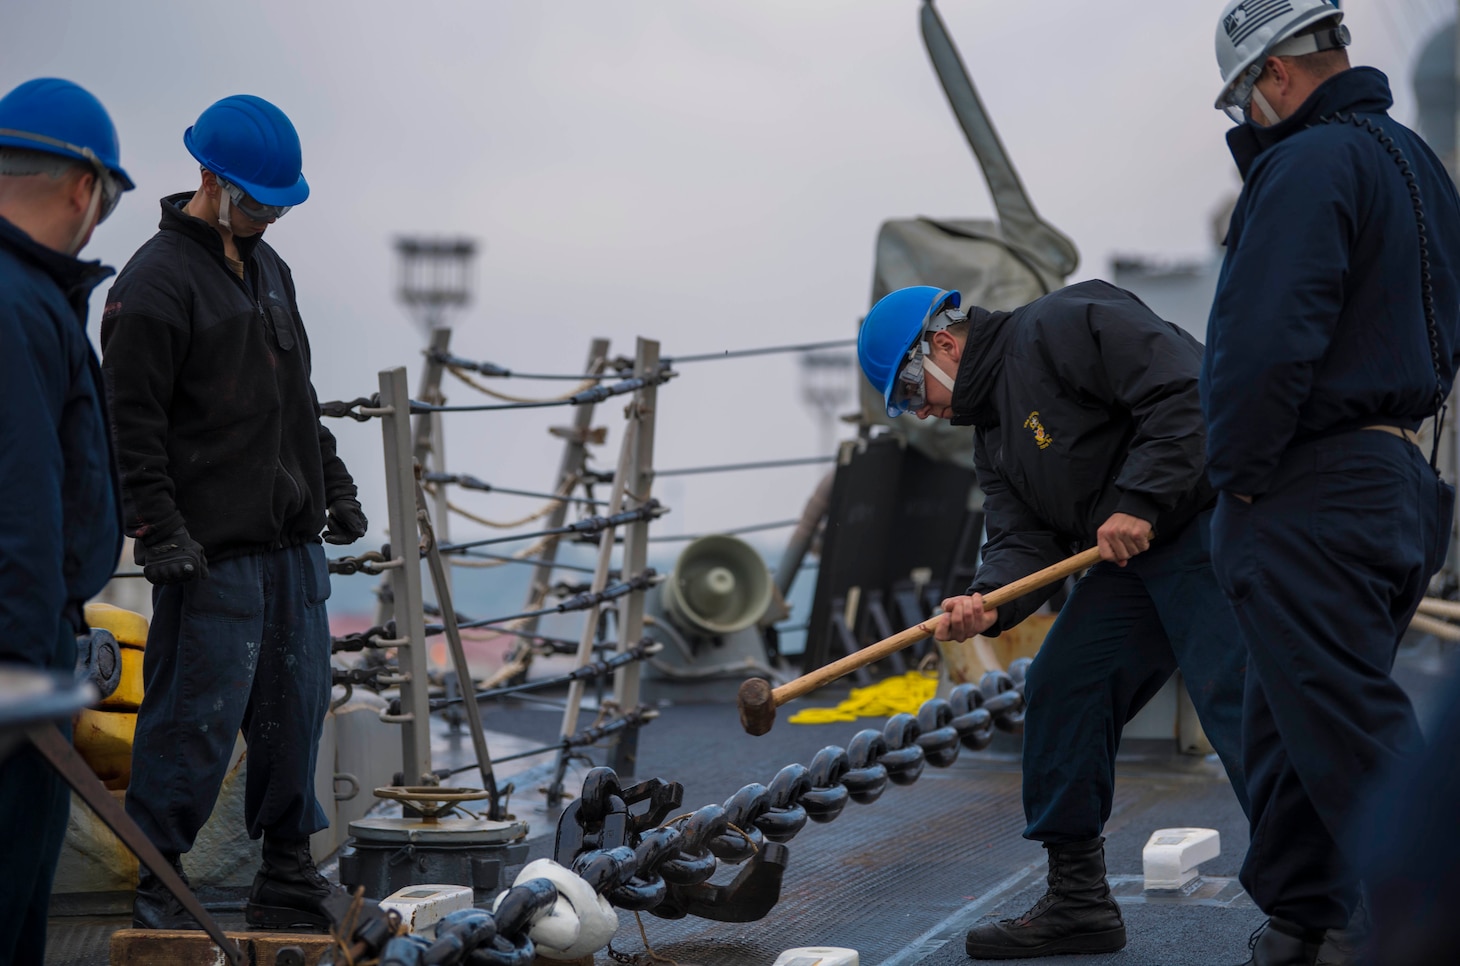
{"points": [[417, 492]]}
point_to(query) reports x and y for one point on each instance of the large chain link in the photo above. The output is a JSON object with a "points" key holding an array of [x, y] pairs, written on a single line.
{"points": [[340, 409], [371, 562], [379, 636]]}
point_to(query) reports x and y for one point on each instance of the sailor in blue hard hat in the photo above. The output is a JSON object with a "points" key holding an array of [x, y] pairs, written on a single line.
{"points": [[231, 481], [1087, 430], [55, 127], [60, 521], [252, 165]]}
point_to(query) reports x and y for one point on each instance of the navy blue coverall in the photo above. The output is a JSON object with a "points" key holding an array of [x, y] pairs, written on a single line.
{"points": [[217, 429], [1317, 335], [1085, 404], [60, 536]]}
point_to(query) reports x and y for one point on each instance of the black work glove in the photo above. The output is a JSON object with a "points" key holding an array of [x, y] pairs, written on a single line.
{"points": [[174, 559], [347, 522]]}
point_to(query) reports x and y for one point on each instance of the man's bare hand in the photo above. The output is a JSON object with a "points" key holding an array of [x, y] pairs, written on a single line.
{"points": [[964, 617], [1122, 537]]}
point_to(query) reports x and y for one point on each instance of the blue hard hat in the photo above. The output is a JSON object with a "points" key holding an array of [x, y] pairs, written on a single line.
{"points": [[58, 117], [895, 323], [249, 142]]}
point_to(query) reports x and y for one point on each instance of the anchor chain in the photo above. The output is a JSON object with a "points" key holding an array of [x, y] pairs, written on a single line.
{"points": [[642, 862], [672, 864]]}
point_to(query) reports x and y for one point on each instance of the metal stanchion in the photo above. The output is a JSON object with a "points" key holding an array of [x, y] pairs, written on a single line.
{"points": [[405, 579], [636, 550]]}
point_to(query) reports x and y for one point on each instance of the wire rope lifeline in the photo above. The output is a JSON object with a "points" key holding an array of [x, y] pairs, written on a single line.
{"points": [[589, 671], [588, 526], [469, 482], [641, 581], [734, 467], [596, 394], [623, 365], [619, 367], [364, 408], [767, 350], [730, 531]]}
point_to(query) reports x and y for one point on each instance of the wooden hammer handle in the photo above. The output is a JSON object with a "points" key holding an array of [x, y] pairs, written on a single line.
{"points": [[875, 652]]}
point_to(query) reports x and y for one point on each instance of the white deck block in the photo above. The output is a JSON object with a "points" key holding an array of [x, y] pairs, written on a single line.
{"points": [[1171, 855], [421, 906], [818, 956]]}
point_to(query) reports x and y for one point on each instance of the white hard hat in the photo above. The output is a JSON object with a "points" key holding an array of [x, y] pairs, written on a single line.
{"points": [[1250, 31]]}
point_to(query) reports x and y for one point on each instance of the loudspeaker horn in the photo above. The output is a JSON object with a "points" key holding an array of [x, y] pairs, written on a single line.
{"points": [[720, 585]]}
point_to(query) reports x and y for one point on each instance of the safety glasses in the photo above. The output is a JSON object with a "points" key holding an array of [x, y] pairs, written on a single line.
{"points": [[1238, 100], [252, 208], [111, 192], [910, 391]]}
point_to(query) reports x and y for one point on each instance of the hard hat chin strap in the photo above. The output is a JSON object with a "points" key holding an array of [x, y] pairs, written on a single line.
{"points": [[944, 380], [87, 223], [223, 218], [1267, 111]]}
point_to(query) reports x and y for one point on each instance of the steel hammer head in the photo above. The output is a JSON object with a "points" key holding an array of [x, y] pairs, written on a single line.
{"points": [[757, 706]]}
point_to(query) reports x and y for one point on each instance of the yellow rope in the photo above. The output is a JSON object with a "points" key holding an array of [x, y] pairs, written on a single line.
{"points": [[461, 374], [507, 671], [538, 514], [881, 700]]}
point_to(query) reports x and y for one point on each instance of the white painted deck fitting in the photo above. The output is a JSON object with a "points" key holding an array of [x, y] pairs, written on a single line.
{"points": [[1171, 855], [818, 956], [422, 906]]}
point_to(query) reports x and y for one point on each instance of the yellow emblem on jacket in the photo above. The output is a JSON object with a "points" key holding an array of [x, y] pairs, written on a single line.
{"points": [[1042, 439]]}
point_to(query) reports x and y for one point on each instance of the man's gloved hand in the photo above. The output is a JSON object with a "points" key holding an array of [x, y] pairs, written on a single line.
{"points": [[174, 559], [347, 522]]}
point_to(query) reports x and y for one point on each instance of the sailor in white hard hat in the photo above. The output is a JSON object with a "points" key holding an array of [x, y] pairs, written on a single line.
{"points": [[1333, 336]]}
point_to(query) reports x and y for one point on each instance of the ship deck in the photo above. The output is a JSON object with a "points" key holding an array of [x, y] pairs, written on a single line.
{"points": [[901, 879]]}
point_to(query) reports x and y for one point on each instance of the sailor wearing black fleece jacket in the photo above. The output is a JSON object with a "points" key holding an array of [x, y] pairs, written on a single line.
{"points": [[1087, 430], [228, 479]]}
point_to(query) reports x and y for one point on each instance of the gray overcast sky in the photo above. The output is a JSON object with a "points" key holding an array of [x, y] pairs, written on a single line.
{"points": [[711, 175]]}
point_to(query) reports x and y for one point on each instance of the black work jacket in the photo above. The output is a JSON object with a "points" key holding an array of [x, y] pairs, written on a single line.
{"points": [[216, 421], [1084, 403]]}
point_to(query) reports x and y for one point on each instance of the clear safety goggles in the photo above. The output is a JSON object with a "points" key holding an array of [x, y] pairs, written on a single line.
{"points": [[1238, 101], [251, 208], [910, 390], [107, 184]]}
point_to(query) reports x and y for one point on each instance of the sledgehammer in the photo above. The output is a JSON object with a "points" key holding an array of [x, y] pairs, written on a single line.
{"points": [[758, 703]]}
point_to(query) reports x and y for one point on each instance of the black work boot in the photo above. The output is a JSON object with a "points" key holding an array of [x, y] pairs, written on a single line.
{"points": [[1076, 914], [1279, 942], [288, 890], [154, 907]]}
